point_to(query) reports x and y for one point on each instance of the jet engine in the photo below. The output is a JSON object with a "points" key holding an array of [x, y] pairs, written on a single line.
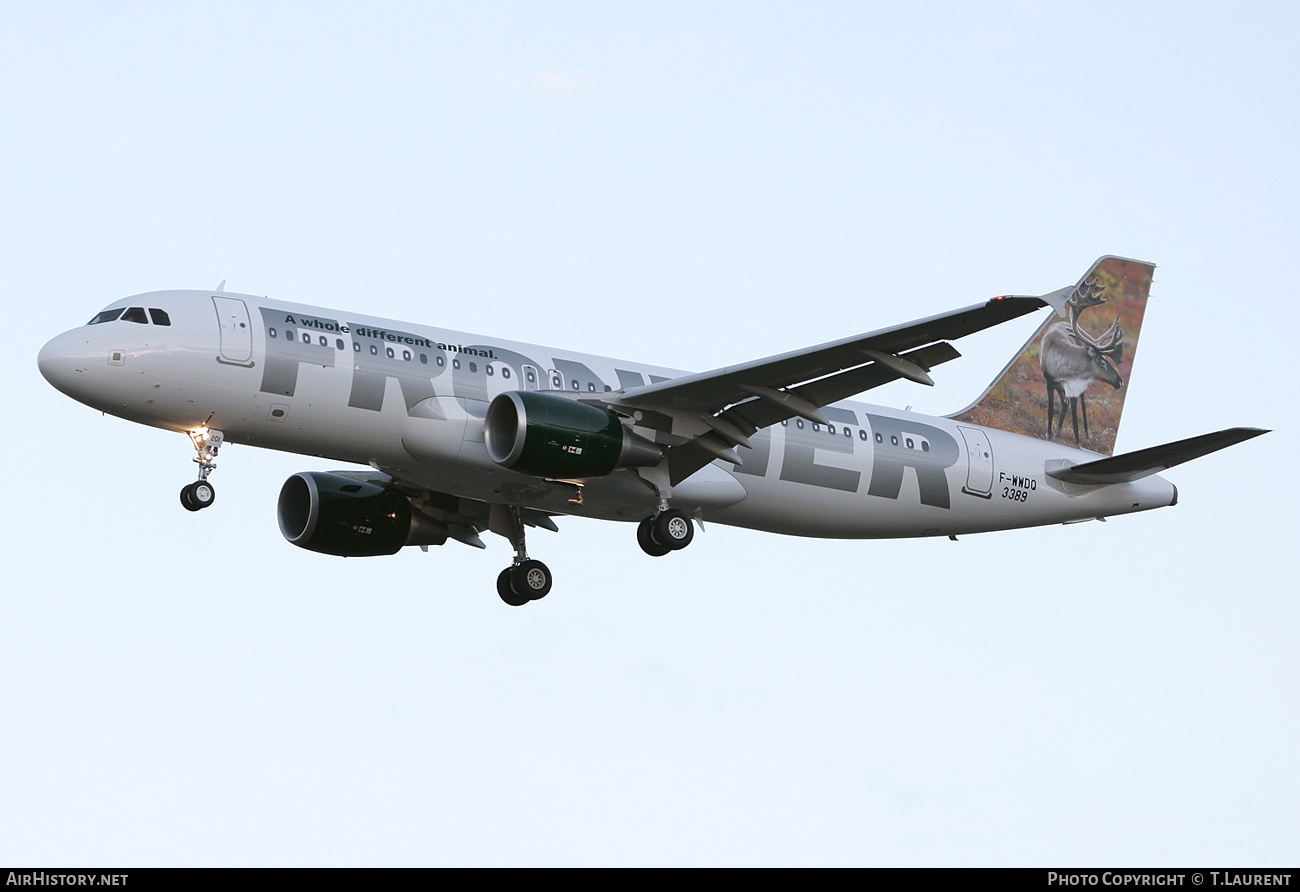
{"points": [[551, 436], [351, 518]]}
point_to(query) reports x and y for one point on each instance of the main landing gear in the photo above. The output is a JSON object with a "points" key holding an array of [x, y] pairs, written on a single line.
{"points": [[669, 530], [200, 494], [526, 579]]}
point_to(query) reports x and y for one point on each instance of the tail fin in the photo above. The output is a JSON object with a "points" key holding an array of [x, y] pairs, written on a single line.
{"points": [[1065, 369]]}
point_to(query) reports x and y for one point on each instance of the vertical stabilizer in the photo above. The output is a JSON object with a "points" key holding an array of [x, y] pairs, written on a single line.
{"points": [[1069, 381]]}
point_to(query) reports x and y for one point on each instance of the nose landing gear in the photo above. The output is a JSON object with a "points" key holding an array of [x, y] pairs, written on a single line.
{"points": [[200, 494], [197, 495]]}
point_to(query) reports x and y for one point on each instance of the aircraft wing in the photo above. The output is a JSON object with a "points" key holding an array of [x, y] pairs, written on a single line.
{"points": [[729, 404]]}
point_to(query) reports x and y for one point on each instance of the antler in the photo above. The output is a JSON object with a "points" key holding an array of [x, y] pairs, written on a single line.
{"points": [[1086, 295], [1111, 342]]}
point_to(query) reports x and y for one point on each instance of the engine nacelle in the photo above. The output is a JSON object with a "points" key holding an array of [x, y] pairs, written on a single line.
{"points": [[350, 518], [551, 436]]}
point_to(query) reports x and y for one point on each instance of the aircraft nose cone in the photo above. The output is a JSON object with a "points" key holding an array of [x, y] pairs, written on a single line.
{"points": [[60, 360], [48, 360]]}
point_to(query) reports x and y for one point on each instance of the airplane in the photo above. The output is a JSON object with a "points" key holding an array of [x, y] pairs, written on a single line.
{"points": [[459, 434]]}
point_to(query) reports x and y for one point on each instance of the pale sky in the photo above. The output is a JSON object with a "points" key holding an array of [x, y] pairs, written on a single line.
{"points": [[688, 185]]}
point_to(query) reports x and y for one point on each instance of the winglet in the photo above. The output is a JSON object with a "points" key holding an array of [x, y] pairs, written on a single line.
{"points": [[1145, 462], [1056, 299]]}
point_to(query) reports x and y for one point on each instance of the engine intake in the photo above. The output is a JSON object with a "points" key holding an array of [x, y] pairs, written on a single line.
{"points": [[351, 518], [551, 436]]}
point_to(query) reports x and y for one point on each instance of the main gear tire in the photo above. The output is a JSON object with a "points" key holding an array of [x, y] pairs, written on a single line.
{"points": [[646, 539], [531, 579], [673, 529], [507, 592]]}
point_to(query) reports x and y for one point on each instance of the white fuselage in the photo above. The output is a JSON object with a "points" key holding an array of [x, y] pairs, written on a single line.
{"points": [[410, 400]]}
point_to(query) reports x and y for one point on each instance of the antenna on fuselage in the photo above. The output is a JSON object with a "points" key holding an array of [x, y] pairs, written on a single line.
{"points": [[222, 286]]}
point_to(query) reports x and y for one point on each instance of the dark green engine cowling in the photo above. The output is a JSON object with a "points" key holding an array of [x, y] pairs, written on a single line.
{"points": [[351, 518], [551, 436]]}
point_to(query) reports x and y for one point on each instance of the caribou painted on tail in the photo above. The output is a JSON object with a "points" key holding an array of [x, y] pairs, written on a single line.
{"points": [[1071, 359]]}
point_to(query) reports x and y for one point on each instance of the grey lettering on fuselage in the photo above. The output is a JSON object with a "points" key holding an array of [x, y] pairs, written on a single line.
{"points": [[757, 457], [903, 443], [286, 347], [578, 378], [627, 380], [804, 438], [379, 354], [413, 360], [469, 378]]}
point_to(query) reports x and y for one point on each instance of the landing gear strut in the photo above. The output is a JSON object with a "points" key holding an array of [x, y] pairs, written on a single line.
{"points": [[669, 530], [200, 494], [526, 579]]}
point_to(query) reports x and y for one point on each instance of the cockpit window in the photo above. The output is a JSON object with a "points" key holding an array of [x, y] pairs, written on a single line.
{"points": [[159, 317], [105, 316], [135, 314]]}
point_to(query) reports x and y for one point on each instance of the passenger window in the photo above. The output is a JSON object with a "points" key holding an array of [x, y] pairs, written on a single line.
{"points": [[830, 428], [557, 382], [893, 441], [338, 344], [389, 351], [324, 341], [909, 443], [505, 372], [424, 359], [356, 347], [591, 386], [489, 370], [848, 433], [798, 422], [575, 384], [105, 316], [406, 355], [442, 361], [455, 364], [879, 438], [306, 338], [816, 427], [862, 435], [473, 366], [271, 332], [159, 317], [374, 350], [135, 314]]}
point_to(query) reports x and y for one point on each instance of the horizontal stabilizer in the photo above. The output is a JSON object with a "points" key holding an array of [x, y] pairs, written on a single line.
{"points": [[1145, 462]]}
